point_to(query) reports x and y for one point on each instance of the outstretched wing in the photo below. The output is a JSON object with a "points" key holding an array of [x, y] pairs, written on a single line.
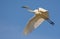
{"points": [[33, 24]]}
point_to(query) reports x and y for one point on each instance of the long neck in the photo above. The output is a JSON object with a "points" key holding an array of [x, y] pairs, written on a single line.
{"points": [[29, 9]]}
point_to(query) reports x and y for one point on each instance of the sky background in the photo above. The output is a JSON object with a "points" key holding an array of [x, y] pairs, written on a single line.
{"points": [[13, 19]]}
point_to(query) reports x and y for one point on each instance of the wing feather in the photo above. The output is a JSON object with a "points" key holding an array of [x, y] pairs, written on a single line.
{"points": [[33, 24]]}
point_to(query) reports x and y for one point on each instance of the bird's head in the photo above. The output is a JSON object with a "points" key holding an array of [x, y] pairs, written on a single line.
{"points": [[29, 9], [26, 7]]}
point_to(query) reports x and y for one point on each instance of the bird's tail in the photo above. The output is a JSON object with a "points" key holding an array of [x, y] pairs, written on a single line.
{"points": [[51, 22]]}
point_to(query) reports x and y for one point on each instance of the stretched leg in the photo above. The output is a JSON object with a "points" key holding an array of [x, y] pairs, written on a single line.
{"points": [[50, 21]]}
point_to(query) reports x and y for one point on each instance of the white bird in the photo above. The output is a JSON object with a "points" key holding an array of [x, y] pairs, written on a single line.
{"points": [[40, 16]]}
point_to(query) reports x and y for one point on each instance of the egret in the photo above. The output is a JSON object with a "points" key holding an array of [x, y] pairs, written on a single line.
{"points": [[40, 16]]}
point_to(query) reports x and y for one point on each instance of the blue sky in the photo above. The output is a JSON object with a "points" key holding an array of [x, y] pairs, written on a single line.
{"points": [[13, 19]]}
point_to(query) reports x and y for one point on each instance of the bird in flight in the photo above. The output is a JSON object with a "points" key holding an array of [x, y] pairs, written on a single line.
{"points": [[40, 16]]}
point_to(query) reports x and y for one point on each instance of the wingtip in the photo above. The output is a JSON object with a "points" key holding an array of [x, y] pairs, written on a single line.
{"points": [[25, 33]]}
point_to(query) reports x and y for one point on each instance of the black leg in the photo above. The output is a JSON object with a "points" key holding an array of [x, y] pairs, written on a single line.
{"points": [[50, 21]]}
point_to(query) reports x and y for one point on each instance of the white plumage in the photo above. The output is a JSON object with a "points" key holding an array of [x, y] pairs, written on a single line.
{"points": [[40, 16]]}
